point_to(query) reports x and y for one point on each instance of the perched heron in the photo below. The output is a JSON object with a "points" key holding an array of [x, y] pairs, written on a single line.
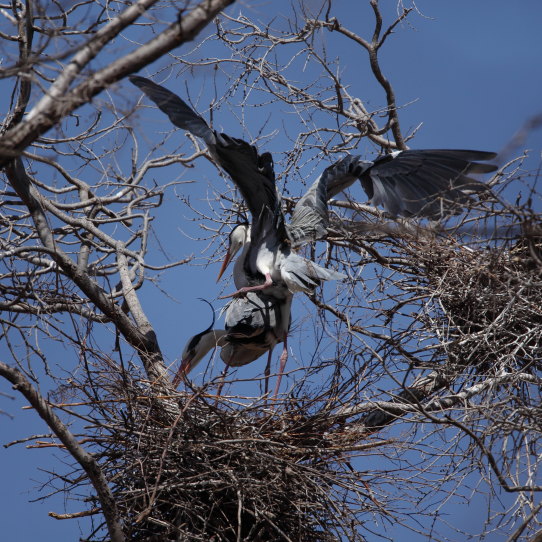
{"points": [[254, 324]]}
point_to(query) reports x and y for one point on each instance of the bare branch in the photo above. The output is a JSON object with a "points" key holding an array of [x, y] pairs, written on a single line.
{"points": [[60, 102], [86, 460]]}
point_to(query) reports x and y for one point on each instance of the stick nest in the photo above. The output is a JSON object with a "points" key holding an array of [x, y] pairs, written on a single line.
{"points": [[223, 473], [491, 299]]}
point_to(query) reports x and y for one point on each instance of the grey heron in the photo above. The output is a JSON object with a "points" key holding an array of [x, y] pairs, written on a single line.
{"points": [[254, 324], [406, 183]]}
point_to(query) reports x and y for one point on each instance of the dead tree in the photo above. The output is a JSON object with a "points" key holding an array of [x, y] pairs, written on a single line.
{"points": [[426, 368]]}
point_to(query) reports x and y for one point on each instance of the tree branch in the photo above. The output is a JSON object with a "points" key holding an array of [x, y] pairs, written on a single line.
{"points": [[59, 103], [144, 342], [86, 460]]}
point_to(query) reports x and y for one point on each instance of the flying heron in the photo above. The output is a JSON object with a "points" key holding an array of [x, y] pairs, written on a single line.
{"points": [[405, 183]]}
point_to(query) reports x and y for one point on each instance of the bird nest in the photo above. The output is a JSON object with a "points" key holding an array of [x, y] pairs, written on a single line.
{"points": [[490, 299], [206, 468]]}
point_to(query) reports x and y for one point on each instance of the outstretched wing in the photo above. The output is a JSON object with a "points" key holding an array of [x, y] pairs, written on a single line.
{"points": [[425, 182], [178, 111], [252, 173], [310, 217]]}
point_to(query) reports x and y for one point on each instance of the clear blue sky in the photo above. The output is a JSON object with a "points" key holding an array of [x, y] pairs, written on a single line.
{"points": [[472, 70]]}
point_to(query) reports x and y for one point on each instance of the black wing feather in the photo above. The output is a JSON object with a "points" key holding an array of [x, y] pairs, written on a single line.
{"points": [[251, 172]]}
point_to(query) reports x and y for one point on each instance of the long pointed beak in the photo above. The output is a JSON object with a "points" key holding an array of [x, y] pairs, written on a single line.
{"points": [[184, 369], [225, 264]]}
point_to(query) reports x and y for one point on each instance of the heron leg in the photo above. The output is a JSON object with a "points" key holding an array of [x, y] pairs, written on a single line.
{"points": [[268, 282], [283, 359], [222, 381], [267, 372]]}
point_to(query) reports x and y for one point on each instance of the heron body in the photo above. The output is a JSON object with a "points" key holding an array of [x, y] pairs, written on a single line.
{"points": [[254, 324]]}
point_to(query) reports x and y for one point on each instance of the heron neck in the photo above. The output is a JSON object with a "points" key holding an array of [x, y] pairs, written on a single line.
{"points": [[212, 339], [240, 278]]}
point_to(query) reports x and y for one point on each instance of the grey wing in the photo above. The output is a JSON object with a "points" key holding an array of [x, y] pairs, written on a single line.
{"points": [[247, 316], [251, 172], [425, 182], [310, 217]]}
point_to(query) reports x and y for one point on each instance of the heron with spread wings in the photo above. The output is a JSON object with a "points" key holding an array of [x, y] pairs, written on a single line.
{"points": [[405, 183]]}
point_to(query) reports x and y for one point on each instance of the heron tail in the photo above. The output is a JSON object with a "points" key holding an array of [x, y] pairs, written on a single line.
{"points": [[303, 275]]}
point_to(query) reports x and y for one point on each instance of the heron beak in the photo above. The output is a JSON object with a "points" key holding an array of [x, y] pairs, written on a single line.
{"points": [[184, 369], [225, 264]]}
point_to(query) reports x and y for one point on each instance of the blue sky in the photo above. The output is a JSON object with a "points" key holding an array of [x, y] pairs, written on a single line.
{"points": [[470, 72]]}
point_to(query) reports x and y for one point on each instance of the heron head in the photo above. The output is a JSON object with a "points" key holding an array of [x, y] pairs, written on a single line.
{"points": [[192, 354], [238, 237], [196, 348]]}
